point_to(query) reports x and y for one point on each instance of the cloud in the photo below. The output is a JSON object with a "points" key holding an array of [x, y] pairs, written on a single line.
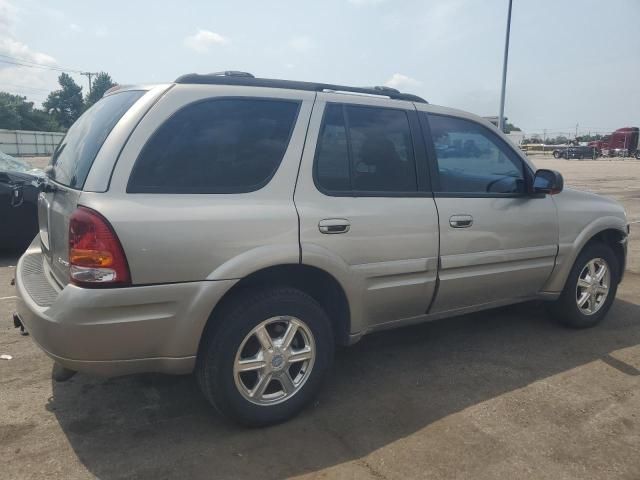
{"points": [[400, 81], [74, 27], [203, 40], [34, 83], [301, 44]]}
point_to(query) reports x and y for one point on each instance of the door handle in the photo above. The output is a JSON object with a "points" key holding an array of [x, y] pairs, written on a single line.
{"points": [[334, 225], [461, 221]]}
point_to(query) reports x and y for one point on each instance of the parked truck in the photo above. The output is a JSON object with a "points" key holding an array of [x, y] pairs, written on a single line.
{"points": [[621, 143]]}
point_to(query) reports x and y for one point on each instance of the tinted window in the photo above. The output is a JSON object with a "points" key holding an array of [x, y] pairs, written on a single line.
{"points": [[332, 163], [365, 149], [472, 159], [216, 146], [75, 154]]}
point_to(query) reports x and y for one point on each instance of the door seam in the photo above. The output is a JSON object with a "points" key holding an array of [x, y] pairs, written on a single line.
{"points": [[295, 186]]}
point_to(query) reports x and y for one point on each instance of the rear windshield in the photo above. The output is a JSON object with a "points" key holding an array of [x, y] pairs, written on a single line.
{"points": [[73, 158]]}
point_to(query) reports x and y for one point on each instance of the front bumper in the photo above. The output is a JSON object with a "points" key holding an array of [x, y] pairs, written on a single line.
{"points": [[114, 331]]}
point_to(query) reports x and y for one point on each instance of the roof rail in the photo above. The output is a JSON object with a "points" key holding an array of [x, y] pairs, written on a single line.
{"points": [[233, 73], [246, 79]]}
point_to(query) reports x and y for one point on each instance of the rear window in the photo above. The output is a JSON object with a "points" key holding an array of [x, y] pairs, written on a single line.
{"points": [[216, 146], [75, 154]]}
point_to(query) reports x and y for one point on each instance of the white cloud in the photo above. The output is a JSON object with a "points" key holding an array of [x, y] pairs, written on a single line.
{"points": [[301, 43], [74, 27], [203, 40], [34, 83], [8, 15], [400, 81]]}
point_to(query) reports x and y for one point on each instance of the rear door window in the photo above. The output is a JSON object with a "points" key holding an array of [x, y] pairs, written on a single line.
{"points": [[216, 146], [75, 154], [365, 149]]}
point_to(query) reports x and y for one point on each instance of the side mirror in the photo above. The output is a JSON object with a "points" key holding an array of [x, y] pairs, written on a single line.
{"points": [[548, 181]]}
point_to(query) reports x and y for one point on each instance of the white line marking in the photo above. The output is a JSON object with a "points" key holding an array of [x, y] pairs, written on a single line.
{"points": [[8, 298]]}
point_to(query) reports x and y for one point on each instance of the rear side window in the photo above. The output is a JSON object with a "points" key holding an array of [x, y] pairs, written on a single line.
{"points": [[365, 149], [216, 146], [75, 154]]}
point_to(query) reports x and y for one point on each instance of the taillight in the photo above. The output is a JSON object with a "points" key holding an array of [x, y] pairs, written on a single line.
{"points": [[96, 258]]}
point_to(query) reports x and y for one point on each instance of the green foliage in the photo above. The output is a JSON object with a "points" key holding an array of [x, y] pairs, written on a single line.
{"points": [[590, 138], [100, 84], [510, 127], [65, 105], [18, 114]]}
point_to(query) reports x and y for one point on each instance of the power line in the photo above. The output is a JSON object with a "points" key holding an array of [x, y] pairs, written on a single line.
{"points": [[21, 62]]}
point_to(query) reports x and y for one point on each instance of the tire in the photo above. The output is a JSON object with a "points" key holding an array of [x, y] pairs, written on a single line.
{"points": [[237, 340], [556, 155], [566, 310], [580, 157]]}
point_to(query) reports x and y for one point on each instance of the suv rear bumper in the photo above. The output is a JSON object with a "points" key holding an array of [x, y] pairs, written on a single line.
{"points": [[114, 331]]}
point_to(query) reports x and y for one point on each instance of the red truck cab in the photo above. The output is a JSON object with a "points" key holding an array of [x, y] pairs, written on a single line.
{"points": [[624, 141]]}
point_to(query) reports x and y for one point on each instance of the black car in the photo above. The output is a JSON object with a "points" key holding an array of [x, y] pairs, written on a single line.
{"points": [[578, 152], [19, 189]]}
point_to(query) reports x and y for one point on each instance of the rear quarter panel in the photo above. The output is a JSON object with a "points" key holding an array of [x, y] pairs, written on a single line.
{"points": [[190, 237]]}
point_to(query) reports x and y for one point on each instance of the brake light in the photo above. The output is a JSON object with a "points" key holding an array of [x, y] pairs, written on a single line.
{"points": [[96, 258]]}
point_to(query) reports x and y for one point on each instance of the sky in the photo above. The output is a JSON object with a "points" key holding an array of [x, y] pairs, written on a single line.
{"points": [[570, 61]]}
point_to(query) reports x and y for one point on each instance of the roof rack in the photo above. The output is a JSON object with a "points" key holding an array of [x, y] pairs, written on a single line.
{"points": [[232, 73], [231, 77]]}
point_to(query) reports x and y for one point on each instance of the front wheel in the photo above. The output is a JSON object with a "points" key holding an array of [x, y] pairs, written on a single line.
{"points": [[590, 288], [556, 154], [268, 358]]}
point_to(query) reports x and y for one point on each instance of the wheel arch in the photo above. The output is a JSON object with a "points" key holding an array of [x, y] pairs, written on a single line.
{"points": [[317, 283], [608, 230]]}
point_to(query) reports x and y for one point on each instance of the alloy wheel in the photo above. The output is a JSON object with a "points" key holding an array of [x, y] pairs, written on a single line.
{"points": [[593, 284], [274, 360]]}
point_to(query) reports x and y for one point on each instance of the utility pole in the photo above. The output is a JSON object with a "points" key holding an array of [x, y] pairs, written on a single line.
{"points": [[89, 75], [504, 70], [576, 132]]}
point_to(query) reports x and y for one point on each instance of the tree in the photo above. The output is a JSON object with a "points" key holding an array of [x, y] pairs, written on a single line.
{"points": [[510, 127], [18, 114], [65, 105], [100, 84]]}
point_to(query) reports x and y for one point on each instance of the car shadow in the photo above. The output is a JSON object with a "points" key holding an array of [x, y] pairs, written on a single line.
{"points": [[382, 389]]}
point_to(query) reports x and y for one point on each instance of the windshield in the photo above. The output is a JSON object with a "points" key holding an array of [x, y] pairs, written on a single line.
{"points": [[12, 164], [74, 156]]}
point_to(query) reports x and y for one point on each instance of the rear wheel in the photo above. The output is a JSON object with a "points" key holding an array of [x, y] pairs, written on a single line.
{"points": [[556, 154], [268, 358], [590, 288]]}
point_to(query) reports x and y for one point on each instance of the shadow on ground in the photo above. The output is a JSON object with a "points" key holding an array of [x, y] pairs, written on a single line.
{"points": [[388, 386]]}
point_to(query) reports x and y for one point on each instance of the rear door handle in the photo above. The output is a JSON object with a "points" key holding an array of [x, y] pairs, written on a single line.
{"points": [[334, 225], [461, 221]]}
